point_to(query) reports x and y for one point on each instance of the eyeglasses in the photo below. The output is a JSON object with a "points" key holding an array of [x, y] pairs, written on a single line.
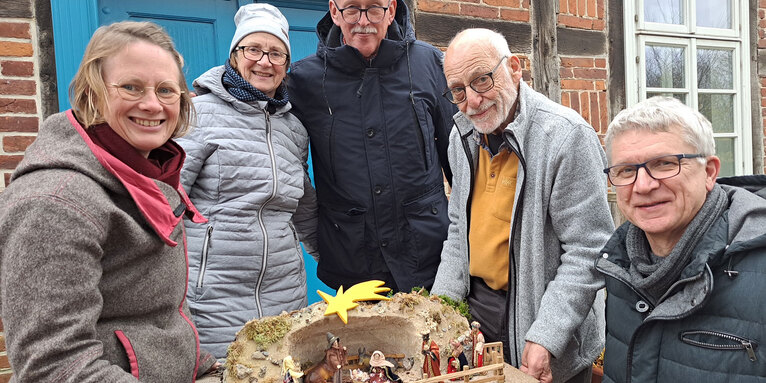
{"points": [[658, 168], [256, 54], [168, 92], [480, 84], [352, 15]]}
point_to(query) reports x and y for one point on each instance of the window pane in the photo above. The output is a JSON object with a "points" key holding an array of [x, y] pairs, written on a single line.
{"points": [[680, 96], [714, 13], [715, 69], [724, 148], [665, 66], [664, 11], [719, 109]]}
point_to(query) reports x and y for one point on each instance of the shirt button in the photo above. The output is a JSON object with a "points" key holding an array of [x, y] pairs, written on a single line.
{"points": [[370, 133], [377, 189], [383, 243], [492, 175], [642, 306], [434, 210]]}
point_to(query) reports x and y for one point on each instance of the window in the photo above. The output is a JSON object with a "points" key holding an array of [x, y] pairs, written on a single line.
{"points": [[695, 51]]}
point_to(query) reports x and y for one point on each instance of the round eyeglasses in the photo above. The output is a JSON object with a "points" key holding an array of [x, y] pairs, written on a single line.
{"points": [[659, 168], [256, 54], [481, 84], [168, 92], [352, 15]]}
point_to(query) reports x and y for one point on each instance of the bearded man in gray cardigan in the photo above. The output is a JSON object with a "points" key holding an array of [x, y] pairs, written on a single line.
{"points": [[528, 214]]}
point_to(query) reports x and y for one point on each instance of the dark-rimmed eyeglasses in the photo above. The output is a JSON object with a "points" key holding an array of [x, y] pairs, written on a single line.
{"points": [[352, 15], [659, 168], [481, 84], [168, 92], [256, 54]]}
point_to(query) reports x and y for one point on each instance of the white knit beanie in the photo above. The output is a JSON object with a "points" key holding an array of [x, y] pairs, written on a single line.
{"points": [[260, 17]]}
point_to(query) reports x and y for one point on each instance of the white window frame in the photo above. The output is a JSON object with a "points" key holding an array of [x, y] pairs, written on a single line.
{"points": [[638, 33]]}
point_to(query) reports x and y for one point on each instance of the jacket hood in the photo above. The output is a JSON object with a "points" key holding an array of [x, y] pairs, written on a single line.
{"points": [[62, 143], [399, 35], [211, 82]]}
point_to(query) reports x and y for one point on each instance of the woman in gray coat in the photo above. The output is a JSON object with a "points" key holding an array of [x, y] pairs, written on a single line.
{"points": [[246, 171]]}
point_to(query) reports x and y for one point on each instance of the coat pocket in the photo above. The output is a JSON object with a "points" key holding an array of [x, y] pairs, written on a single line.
{"points": [[341, 239], [427, 223], [425, 133], [203, 259], [129, 351], [715, 340]]}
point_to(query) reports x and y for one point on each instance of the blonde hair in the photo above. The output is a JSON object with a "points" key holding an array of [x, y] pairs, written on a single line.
{"points": [[87, 92]]}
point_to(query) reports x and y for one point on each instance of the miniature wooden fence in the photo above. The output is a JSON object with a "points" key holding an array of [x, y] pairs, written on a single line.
{"points": [[493, 353], [470, 375]]}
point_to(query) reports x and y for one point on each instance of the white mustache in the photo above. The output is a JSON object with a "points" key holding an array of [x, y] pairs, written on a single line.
{"points": [[364, 29], [482, 108]]}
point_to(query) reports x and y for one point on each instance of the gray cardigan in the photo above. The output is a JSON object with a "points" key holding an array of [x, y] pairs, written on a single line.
{"points": [[561, 220], [246, 171]]}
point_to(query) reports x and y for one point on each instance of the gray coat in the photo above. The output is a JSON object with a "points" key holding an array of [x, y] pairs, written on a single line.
{"points": [[560, 222], [246, 171], [92, 268]]}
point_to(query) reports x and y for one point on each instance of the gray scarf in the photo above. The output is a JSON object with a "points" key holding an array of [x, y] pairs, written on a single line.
{"points": [[655, 277]]}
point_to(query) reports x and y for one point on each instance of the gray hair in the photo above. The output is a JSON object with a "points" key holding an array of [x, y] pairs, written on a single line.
{"points": [[480, 35], [664, 114]]}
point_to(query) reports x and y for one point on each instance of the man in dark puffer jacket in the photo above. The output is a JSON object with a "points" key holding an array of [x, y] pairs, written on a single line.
{"points": [[686, 275]]}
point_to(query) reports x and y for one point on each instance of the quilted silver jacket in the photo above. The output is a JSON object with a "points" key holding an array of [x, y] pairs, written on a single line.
{"points": [[246, 171]]}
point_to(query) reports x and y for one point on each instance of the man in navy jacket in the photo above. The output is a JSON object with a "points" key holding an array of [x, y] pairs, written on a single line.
{"points": [[371, 101]]}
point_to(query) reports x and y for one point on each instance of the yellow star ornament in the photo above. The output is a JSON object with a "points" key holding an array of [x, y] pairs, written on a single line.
{"points": [[342, 302]]}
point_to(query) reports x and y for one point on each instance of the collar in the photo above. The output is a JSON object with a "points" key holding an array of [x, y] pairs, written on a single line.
{"points": [[145, 192]]}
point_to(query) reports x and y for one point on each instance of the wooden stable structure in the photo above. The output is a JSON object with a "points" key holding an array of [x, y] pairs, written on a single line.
{"points": [[491, 372]]}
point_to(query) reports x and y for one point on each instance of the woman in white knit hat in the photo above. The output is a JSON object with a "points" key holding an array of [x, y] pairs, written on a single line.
{"points": [[246, 171]]}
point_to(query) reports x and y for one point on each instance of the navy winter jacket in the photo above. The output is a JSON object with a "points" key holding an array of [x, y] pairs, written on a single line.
{"points": [[379, 131]]}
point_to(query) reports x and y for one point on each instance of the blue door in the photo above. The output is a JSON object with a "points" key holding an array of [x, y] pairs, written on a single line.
{"points": [[202, 31]]}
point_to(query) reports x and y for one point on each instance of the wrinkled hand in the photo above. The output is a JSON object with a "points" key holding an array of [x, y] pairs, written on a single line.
{"points": [[536, 362]]}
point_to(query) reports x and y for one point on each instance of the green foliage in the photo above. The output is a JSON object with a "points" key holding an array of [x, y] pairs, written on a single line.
{"points": [[267, 331], [421, 290], [459, 306]]}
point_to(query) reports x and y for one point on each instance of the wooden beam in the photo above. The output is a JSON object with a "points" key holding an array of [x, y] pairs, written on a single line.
{"points": [[545, 57]]}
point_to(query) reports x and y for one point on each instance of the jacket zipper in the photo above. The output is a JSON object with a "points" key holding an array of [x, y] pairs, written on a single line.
{"points": [[511, 256], [265, 256], [747, 344], [467, 149], [203, 261]]}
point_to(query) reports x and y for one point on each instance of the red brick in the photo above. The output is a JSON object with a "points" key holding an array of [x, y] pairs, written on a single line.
{"points": [[600, 85], [15, 30], [761, 3], [14, 105], [500, 3], [563, 6], [18, 124], [575, 22], [438, 7], [603, 111], [17, 87], [1, 320], [4, 361], [478, 11], [572, 9], [599, 25], [5, 378], [591, 8], [600, 9], [762, 23], [595, 116], [13, 49], [577, 62], [566, 73], [581, 5], [761, 13], [514, 15], [577, 84], [7, 177], [574, 99], [13, 144], [9, 163], [600, 63], [2, 343], [584, 109], [594, 74], [18, 68], [565, 99]]}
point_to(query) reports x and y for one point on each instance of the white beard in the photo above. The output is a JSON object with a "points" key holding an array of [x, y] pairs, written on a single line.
{"points": [[502, 103]]}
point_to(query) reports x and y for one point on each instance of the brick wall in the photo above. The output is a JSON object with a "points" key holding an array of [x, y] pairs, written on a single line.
{"points": [[513, 10], [19, 92]]}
